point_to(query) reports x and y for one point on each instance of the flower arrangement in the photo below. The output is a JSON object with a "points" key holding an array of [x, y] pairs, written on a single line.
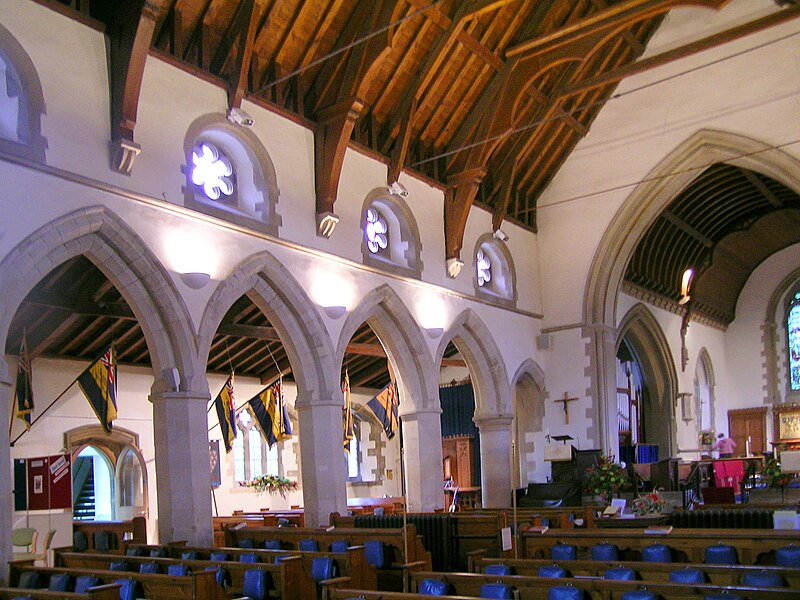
{"points": [[773, 476], [271, 484], [706, 437], [605, 478], [651, 503]]}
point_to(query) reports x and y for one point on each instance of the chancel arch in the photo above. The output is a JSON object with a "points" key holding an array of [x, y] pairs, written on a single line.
{"points": [[493, 402], [529, 395], [289, 320], [641, 336]]}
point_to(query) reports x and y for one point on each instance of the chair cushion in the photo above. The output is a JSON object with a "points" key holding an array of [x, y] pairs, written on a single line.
{"points": [[248, 557], [722, 596], [564, 592], [552, 571], [134, 551], [158, 553], [118, 565], [148, 567], [308, 545], [564, 552], [28, 580], [788, 556], [720, 554], [79, 541], [656, 553], [272, 544], [687, 576], [256, 584], [373, 550], [222, 577], [620, 574], [104, 541], [497, 570], [60, 582], [130, 589], [246, 543], [763, 579], [190, 555], [605, 552], [339, 546], [178, 570], [220, 556], [637, 595], [496, 590], [433, 587], [84, 582], [323, 568]]}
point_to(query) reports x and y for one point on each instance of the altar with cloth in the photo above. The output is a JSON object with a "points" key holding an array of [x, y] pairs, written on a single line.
{"points": [[729, 473]]}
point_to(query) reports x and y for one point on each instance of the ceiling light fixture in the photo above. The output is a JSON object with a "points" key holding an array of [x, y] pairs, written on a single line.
{"points": [[335, 312], [195, 281], [501, 235], [398, 189]]}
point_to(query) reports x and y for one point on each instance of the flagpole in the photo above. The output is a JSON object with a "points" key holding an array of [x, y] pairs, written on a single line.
{"points": [[49, 406], [405, 493]]}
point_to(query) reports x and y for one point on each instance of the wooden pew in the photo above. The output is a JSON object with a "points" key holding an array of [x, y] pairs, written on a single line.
{"points": [[352, 563], [134, 530], [349, 594], [648, 571], [595, 588], [197, 586], [101, 592], [222, 524], [287, 576], [562, 517], [754, 546]]}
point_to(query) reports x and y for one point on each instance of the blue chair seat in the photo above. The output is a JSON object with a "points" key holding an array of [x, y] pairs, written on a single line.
{"points": [[722, 596], [763, 579], [149, 567], [339, 546], [80, 543], [687, 576], [605, 552], [497, 569], [130, 589], [309, 545], [221, 576], [272, 544], [246, 543], [248, 557], [60, 582], [322, 568], [374, 552], [256, 584], [433, 587], [158, 553], [496, 590], [620, 574], [104, 541], [656, 553], [118, 565], [189, 555], [788, 556], [28, 580], [720, 554], [134, 551], [637, 595], [219, 556], [84, 582], [564, 592], [564, 552], [552, 571], [178, 570]]}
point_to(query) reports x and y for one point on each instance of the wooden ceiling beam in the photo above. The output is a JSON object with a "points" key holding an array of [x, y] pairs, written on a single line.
{"points": [[506, 178], [762, 189], [83, 309], [238, 82], [692, 232], [130, 35]]}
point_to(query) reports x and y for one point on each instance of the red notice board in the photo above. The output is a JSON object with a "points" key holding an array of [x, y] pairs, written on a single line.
{"points": [[49, 482]]}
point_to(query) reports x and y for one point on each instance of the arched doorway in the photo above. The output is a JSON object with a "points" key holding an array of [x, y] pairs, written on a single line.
{"points": [[529, 397]]}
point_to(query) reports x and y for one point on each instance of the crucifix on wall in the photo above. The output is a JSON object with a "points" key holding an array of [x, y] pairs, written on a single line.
{"points": [[565, 400]]}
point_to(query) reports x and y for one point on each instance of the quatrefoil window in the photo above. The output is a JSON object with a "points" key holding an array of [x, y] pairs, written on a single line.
{"points": [[376, 231], [483, 268], [212, 171]]}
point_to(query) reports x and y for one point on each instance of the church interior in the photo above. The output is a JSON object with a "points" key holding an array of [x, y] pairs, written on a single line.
{"points": [[490, 270]]}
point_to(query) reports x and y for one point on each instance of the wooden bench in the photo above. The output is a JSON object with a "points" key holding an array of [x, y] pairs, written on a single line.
{"points": [[753, 546], [100, 592], [197, 586], [562, 517], [349, 594], [222, 524], [134, 530], [595, 588], [288, 577], [648, 571]]}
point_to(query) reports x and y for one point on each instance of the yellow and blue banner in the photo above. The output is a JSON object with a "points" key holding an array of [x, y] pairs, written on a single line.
{"points": [[271, 414], [99, 384], [384, 407], [23, 393], [348, 432], [226, 414]]}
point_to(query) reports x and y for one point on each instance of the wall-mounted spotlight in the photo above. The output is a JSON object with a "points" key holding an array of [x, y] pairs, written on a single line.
{"points": [[238, 116], [326, 223], [686, 285], [195, 281], [501, 235], [454, 267], [335, 312]]}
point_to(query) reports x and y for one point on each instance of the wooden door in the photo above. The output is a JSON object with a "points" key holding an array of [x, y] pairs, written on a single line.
{"points": [[457, 454], [748, 424]]}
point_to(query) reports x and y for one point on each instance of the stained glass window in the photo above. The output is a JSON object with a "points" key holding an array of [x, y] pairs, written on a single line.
{"points": [[212, 171], [793, 335], [376, 231], [484, 268]]}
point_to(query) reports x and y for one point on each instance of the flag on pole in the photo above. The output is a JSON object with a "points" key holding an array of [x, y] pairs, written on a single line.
{"points": [[271, 414], [23, 393], [226, 413], [347, 414], [99, 384], [384, 407]]}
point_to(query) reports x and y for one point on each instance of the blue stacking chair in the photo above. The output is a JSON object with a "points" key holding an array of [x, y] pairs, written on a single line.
{"points": [[248, 557], [687, 576], [130, 589], [322, 568], [564, 592], [309, 545], [605, 552], [720, 554], [134, 551], [189, 555], [763, 579], [788, 556], [158, 553], [497, 570], [272, 544], [339, 546], [637, 595], [31, 598], [564, 552], [246, 543], [433, 587], [149, 567], [219, 556], [118, 565], [496, 590], [221, 576], [80, 543], [178, 570], [60, 582], [552, 571], [722, 596], [104, 541], [28, 580], [374, 552], [620, 574], [656, 553], [84, 582], [256, 584]]}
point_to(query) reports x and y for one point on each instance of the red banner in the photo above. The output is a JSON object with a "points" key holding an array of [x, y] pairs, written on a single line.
{"points": [[49, 482]]}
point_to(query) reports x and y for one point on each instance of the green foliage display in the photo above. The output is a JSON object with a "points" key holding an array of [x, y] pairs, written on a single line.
{"points": [[606, 478]]}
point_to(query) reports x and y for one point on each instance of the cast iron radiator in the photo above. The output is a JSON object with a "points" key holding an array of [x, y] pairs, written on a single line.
{"points": [[437, 531], [712, 518]]}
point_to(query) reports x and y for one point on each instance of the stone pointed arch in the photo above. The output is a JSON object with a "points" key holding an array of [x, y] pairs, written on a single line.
{"points": [[529, 368], [104, 238], [529, 395], [487, 369], [290, 311], [643, 333], [704, 362], [669, 178], [405, 345]]}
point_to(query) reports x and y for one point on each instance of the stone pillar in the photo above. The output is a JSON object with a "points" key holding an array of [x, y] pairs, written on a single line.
{"points": [[422, 459], [183, 476], [7, 480], [603, 373], [495, 435], [322, 462]]}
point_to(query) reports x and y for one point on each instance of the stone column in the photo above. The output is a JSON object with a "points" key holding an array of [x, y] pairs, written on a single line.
{"points": [[495, 435], [322, 462], [7, 480], [603, 372], [422, 459], [183, 475]]}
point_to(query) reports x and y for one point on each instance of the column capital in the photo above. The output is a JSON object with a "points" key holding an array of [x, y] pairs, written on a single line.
{"points": [[492, 423], [415, 414], [180, 395]]}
